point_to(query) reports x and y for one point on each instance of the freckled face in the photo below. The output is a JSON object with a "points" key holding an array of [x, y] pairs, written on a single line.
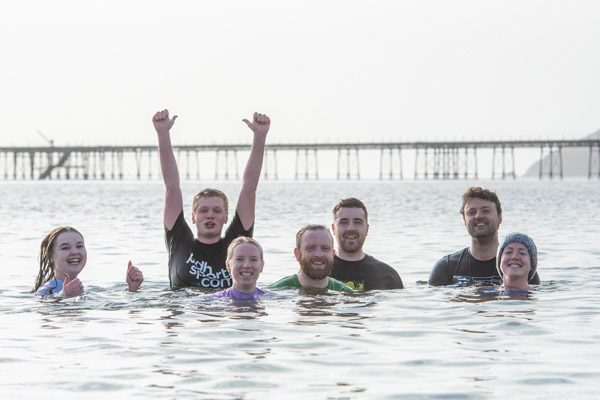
{"points": [[245, 267], [481, 218], [515, 261], [69, 255]]}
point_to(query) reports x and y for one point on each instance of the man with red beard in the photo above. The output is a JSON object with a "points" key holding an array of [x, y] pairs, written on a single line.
{"points": [[351, 265], [314, 251], [482, 214]]}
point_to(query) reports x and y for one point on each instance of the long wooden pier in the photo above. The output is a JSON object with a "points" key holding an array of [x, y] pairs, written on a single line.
{"points": [[432, 160]]}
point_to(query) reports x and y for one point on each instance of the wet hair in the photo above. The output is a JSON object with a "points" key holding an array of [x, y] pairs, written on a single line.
{"points": [[239, 240], [483, 194], [46, 271], [310, 227], [351, 202], [208, 192]]}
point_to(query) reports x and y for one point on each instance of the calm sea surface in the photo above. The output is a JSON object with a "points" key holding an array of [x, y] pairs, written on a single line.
{"points": [[416, 343]]}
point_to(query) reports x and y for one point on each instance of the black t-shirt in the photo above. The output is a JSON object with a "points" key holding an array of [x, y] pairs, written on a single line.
{"points": [[461, 268], [196, 264], [366, 274]]}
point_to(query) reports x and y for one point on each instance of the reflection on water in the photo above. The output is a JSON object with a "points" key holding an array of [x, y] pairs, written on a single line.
{"points": [[420, 342], [378, 344], [335, 307], [478, 295], [171, 318]]}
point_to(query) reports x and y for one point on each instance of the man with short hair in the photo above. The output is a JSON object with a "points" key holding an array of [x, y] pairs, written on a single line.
{"points": [[351, 265], [314, 251], [482, 215], [201, 262]]}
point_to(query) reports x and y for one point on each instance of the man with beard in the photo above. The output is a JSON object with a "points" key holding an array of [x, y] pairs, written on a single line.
{"points": [[482, 214], [314, 251], [351, 265]]}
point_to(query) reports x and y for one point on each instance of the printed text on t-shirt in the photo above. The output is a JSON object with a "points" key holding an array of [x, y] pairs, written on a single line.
{"points": [[205, 275]]}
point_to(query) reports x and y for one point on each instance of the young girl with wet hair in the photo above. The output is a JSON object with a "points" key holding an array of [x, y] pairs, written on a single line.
{"points": [[62, 257], [244, 263]]}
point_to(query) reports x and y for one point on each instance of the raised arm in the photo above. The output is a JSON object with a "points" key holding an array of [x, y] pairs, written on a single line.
{"points": [[168, 166], [247, 200]]}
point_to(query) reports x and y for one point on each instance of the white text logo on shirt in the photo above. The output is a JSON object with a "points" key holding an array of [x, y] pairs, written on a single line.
{"points": [[205, 275]]}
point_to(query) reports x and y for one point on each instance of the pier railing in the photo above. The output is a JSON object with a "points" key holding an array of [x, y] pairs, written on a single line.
{"points": [[432, 160]]}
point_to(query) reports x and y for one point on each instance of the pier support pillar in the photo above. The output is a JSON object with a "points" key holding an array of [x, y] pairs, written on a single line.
{"points": [[307, 159], [392, 159], [551, 163], [421, 163], [594, 162], [270, 165], [225, 163], [348, 166], [505, 161]]}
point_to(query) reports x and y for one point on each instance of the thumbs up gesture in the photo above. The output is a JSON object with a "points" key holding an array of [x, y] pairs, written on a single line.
{"points": [[134, 277], [260, 123], [162, 122], [71, 288]]}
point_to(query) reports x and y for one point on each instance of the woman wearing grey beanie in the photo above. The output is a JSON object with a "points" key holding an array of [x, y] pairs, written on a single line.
{"points": [[517, 262]]}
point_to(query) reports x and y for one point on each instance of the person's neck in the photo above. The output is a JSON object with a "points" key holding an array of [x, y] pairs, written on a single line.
{"points": [[515, 284], [356, 256], [308, 282], [208, 239], [484, 248], [246, 289], [60, 277]]}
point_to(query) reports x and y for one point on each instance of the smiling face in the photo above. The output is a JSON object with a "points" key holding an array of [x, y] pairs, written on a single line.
{"points": [[315, 254], [481, 218], [350, 228], [515, 262], [209, 217], [245, 266], [69, 255]]}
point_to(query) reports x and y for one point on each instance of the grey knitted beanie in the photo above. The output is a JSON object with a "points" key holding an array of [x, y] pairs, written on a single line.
{"points": [[525, 241]]}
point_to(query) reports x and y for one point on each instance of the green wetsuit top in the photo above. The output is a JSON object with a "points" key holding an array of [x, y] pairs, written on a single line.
{"points": [[292, 282]]}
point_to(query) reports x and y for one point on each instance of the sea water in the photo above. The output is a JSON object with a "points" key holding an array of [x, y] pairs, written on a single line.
{"points": [[415, 343]]}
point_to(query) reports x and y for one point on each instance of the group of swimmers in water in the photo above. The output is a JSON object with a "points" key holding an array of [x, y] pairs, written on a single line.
{"points": [[229, 265]]}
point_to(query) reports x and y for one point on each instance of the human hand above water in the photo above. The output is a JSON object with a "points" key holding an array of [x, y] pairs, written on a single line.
{"points": [[134, 277], [71, 288]]}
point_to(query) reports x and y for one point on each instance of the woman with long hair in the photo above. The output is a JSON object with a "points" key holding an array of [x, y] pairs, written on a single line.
{"points": [[62, 257]]}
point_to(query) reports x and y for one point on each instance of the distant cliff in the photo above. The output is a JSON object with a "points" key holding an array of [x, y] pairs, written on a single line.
{"points": [[575, 160]]}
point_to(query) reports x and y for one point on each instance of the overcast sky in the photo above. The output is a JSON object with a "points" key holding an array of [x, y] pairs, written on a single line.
{"points": [[94, 72]]}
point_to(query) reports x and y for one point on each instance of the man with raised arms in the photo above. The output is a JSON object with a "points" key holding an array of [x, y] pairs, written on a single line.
{"points": [[482, 215], [314, 251], [351, 265], [201, 262]]}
